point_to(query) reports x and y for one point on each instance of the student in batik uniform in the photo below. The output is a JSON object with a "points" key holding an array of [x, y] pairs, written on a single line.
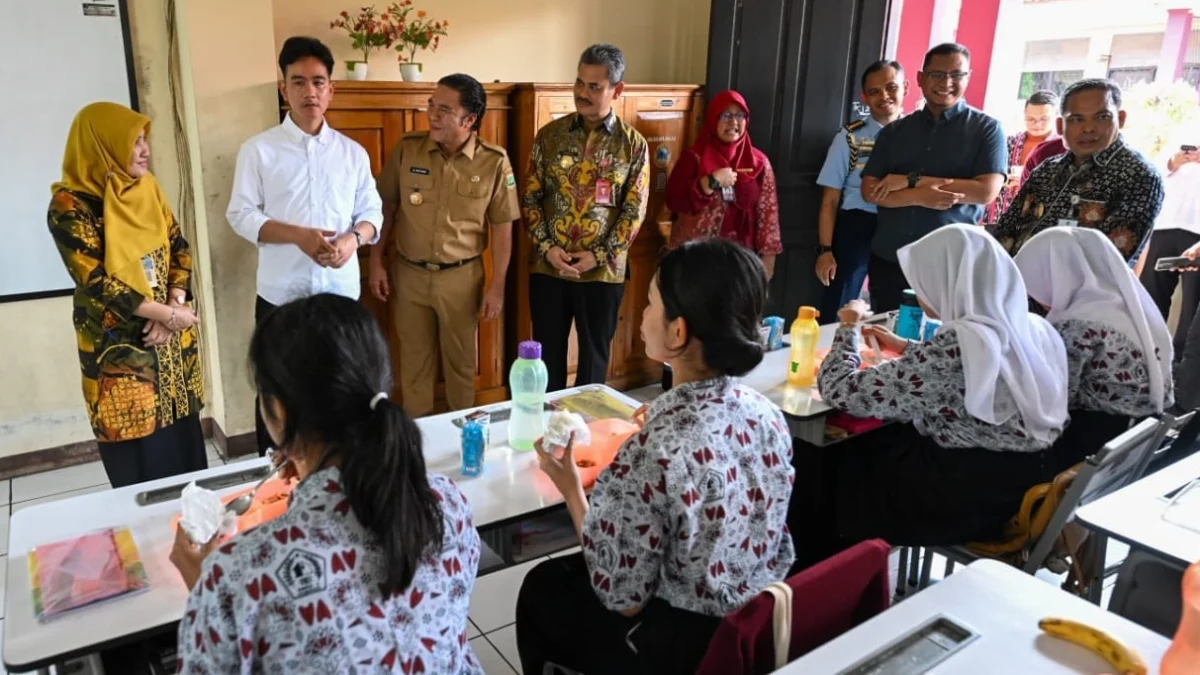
{"points": [[689, 522], [584, 201], [142, 380], [371, 567], [981, 403], [1118, 346]]}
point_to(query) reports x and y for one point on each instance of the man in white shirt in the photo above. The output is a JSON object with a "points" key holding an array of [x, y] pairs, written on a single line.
{"points": [[304, 194]]}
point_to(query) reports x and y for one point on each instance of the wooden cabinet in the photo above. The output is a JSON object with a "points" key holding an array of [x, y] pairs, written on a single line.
{"points": [[377, 115], [669, 116]]}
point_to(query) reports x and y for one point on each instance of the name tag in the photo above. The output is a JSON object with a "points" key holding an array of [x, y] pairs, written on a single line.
{"points": [[418, 170], [1068, 222], [149, 269], [727, 194], [604, 192]]}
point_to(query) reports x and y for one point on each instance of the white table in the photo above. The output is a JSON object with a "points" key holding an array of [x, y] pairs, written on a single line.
{"points": [[802, 406], [510, 488], [1002, 606], [1133, 514]]}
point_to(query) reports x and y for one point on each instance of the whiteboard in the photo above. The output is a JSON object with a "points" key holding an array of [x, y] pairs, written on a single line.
{"points": [[71, 53]]}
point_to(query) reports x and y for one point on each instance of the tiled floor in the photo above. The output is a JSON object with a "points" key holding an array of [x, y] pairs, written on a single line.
{"points": [[492, 630]]}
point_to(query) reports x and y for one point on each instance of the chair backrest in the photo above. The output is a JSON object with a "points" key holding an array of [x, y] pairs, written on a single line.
{"points": [[1186, 437], [1116, 465], [828, 599]]}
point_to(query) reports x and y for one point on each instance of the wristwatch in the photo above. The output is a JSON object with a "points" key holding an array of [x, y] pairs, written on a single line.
{"points": [[822, 249], [358, 238], [913, 178], [712, 183]]}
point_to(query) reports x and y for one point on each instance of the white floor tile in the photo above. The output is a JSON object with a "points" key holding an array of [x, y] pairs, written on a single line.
{"points": [[3, 671], [494, 601], [505, 642], [472, 630], [40, 485], [6, 492], [3, 584], [4, 517], [73, 493], [489, 658]]}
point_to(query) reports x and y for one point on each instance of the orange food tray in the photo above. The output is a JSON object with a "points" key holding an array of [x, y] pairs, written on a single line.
{"points": [[269, 504]]}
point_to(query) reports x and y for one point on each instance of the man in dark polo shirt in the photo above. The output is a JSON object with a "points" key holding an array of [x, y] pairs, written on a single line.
{"points": [[940, 165]]}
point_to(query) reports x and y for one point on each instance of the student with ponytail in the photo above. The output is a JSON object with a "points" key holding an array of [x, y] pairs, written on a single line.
{"points": [[688, 523], [371, 567]]}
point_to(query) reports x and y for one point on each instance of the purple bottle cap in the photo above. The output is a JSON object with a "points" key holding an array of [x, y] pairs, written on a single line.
{"points": [[530, 349]]}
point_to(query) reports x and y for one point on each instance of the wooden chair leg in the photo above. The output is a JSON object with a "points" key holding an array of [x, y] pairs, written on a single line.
{"points": [[926, 569], [902, 571]]}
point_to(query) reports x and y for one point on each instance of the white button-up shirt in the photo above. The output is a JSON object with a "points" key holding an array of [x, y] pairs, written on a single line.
{"points": [[323, 182]]}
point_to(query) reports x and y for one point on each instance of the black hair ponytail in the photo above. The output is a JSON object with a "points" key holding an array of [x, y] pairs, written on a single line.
{"points": [[324, 359], [720, 290]]}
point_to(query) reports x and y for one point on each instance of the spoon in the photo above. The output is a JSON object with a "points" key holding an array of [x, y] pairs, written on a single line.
{"points": [[242, 504]]}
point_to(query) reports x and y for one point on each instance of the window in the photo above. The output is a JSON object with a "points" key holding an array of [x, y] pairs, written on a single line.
{"points": [[1055, 80], [1127, 77]]}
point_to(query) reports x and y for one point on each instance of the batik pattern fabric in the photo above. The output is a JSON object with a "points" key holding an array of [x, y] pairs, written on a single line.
{"points": [[925, 386], [130, 390], [1116, 191], [569, 168], [999, 205], [303, 594], [693, 510], [1109, 373]]}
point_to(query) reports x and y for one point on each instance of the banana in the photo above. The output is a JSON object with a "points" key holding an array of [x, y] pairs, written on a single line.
{"points": [[1124, 659]]}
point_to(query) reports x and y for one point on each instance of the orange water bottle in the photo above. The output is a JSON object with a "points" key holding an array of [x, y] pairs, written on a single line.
{"points": [[802, 365], [1183, 656]]}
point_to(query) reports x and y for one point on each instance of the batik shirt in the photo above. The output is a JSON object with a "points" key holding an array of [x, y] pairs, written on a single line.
{"points": [[925, 386], [1108, 372], [301, 594], [569, 166], [693, 510], [130, 390], [1115, 191]]}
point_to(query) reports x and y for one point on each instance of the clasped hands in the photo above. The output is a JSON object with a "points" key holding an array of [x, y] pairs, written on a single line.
{"points": [[929, 192], [571, 265]]}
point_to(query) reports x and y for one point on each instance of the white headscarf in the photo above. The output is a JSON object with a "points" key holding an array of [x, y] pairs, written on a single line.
{"points": [[1014, 362], [1079, 274]]}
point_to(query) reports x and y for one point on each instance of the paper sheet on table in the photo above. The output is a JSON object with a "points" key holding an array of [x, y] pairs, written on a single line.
{"points": [[595, 405]]}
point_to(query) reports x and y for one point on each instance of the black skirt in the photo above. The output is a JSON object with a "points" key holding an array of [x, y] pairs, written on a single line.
{"points": [[170, 451], [902, 487]]}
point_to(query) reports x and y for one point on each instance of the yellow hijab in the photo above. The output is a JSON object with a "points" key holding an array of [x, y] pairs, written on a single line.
{"points": [[136, 214]]}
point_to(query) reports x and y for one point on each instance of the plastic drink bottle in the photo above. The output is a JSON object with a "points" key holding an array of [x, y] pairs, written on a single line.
{"points": [[802, 365], [908, 320], [528, 380]]}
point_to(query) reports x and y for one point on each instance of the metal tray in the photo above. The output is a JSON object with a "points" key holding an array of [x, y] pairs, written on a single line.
{"points": [[225, 480], [918, 651]]}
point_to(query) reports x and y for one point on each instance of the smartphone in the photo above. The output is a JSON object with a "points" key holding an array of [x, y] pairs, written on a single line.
{"points": [[1187, 148], [1174, 264]]}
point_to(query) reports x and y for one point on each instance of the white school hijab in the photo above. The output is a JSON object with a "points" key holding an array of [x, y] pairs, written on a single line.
{"points": [[1014, 362], [1078, 273]]}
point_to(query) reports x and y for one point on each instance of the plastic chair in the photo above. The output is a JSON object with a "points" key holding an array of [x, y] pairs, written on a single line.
{"points": [[1120, 462]]}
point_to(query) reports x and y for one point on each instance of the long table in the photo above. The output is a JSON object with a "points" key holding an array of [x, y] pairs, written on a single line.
{"points": [[1001, 606], [510, 489]]}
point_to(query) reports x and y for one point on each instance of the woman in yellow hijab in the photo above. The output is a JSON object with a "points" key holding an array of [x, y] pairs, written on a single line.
{"points": [[138, 350]]}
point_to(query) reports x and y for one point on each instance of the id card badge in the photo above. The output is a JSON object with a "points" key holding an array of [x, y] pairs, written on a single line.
{"points": [[1068, 222], [727, 194], [604, 192], [150, 271]]}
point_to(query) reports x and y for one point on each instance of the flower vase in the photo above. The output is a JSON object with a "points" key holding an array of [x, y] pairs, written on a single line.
{"points": [[356, 70], [411, 72]]}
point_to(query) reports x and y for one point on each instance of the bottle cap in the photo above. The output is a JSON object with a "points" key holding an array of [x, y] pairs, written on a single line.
{"points": [[530, 349], [909, 297], [808, 313]]}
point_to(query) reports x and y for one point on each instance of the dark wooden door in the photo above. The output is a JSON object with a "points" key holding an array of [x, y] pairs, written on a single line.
{"points": [[797, 62]]}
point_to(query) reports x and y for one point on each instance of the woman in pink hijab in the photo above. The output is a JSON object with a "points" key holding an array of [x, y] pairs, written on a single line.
{"points": [[723, 186]]}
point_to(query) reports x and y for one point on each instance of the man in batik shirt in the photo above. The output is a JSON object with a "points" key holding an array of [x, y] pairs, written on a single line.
{"points": [[1100, 182], [583, 203]]}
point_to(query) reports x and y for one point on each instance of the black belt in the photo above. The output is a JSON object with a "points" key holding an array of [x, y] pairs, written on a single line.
{"points": [[438, 267]]}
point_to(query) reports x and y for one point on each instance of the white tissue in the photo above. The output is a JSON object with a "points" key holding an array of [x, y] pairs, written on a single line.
{"points": [[204, 516], [560, 427]]}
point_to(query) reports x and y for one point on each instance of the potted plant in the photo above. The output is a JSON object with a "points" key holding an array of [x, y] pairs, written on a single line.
{"points": [[412, 35], [369, 30]]}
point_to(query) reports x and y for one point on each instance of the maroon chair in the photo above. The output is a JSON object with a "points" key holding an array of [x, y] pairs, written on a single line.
{"points": [[828, 599]]}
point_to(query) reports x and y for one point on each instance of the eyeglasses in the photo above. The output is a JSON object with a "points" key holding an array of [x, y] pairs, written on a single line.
{"points": [[731, 117], [438, 112], [940, 75]]}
